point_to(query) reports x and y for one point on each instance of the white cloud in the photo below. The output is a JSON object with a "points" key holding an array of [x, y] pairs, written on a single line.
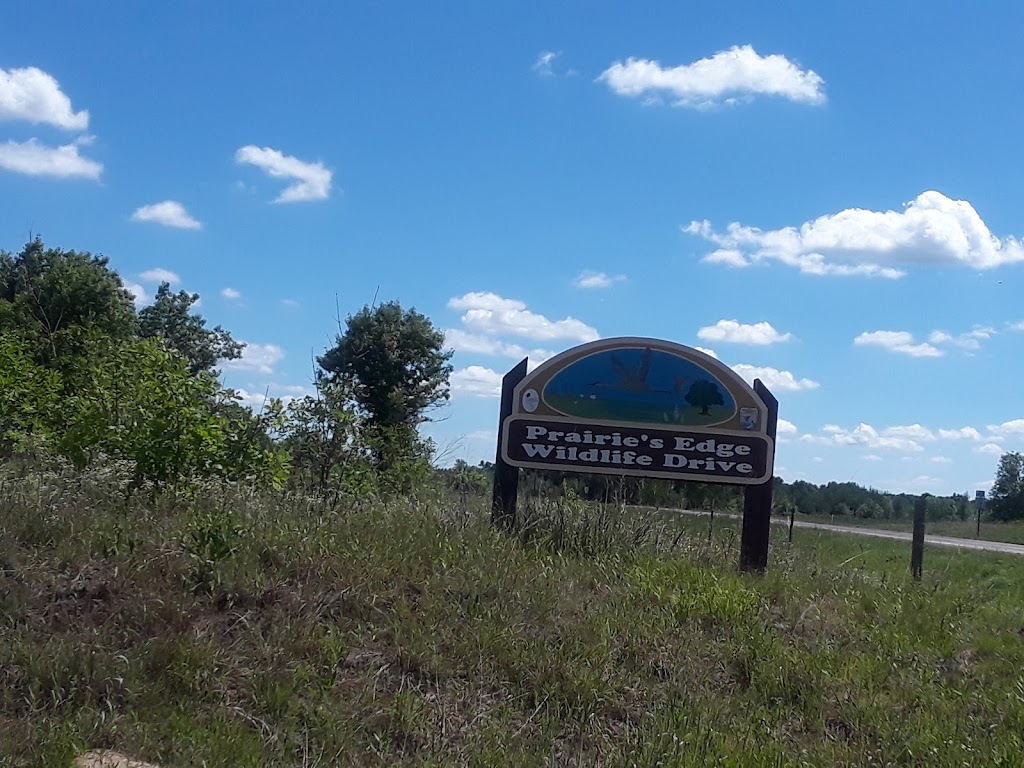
{"points": [[230, 293], [260, 358], [941, 460], [964, 433], [290, 303], [170, 213], [138, 293], [489, 313], [708, 352], [1019, 326], [258, 399], [542, 65], [865, 435], [897, 341], [774, 379], [932, 229], [34, 159], [1007, 428], [476, 381], [971, 340], [872, 457], [740, 333], [312, 180], [159, 275], [786, 427], [990, 449], [737, 73], [912, 432], [588, 279], [462, 341], [35, 96]]}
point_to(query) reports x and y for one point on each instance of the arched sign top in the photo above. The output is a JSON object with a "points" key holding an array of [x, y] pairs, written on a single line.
{"points": [[641, 381]]}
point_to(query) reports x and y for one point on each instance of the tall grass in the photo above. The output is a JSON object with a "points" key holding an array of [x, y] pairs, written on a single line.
{"points": [[228, 628]]}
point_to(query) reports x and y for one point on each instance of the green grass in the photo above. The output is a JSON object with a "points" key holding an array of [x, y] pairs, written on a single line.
{"points": [[230, 629], [1009, 532]]}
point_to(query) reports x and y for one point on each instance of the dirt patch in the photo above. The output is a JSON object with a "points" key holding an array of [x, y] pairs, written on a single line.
{"points": [[108, 759]]}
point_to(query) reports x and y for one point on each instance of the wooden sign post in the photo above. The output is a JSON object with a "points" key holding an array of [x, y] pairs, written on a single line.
{"points": [[506, 477], [917, 546], [646, 408]]}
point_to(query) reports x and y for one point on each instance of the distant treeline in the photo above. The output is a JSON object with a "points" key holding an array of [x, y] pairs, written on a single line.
{"points": [[832, 499]]}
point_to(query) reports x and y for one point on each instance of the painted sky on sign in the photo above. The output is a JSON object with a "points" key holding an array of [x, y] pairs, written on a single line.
{"points": [[638, 385], [826, 196]]}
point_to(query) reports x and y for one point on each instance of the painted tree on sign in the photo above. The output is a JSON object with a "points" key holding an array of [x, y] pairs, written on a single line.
{"points": [[704, 394]]}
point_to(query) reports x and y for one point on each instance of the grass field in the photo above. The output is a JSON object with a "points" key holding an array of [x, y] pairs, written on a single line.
{"points": [[231, 629], [1011, 533]]}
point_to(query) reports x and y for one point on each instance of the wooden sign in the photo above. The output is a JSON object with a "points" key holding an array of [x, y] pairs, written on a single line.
{"points": [[644, 407]]}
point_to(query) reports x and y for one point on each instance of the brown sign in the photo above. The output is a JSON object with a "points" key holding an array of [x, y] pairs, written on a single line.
{"points": [[633, 406], [736, 458]]}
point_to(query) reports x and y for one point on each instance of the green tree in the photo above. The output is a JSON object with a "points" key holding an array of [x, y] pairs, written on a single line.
{"points": [[170, 319], [138, 401], [322, 436], [396, 366], [397, 362], [52, 298], [1007, 497], [704, 393], [29, 395]]}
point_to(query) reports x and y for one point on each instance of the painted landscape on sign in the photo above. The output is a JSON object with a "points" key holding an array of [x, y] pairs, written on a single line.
{"points": [[642, 385]]}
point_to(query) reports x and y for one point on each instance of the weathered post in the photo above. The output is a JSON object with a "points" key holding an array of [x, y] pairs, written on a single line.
{"points": [[792, 512], [506, 477], [979, 504], [917, 547], [757, 500]]}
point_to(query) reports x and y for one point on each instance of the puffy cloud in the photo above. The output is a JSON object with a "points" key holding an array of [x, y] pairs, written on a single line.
{"points": [[476, 381], [257, 400], [911, 432], [932, 229], [864, 435], [260, 358], [169, 213], [1007, 428], [159, 275], [970, 340], [964, 433], [740, 333], [708, 352], [462, 341], [897, 341], [138, 293], [786, 428], [312, 181], [989, 449], [35, 96], [774, 379], [737, 73], [489, 313], [34, 159], [588, 279], [941, 460], [230, 293]]}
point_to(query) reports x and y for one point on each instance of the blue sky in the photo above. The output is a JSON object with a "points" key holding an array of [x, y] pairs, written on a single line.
{"points": [[826, 196]]}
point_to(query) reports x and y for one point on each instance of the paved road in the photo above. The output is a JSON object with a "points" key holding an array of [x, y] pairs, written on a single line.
{"points": [[941, 541]]}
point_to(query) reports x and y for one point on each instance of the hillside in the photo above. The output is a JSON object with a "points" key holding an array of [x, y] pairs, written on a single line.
{"points": [[229, 628]]}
